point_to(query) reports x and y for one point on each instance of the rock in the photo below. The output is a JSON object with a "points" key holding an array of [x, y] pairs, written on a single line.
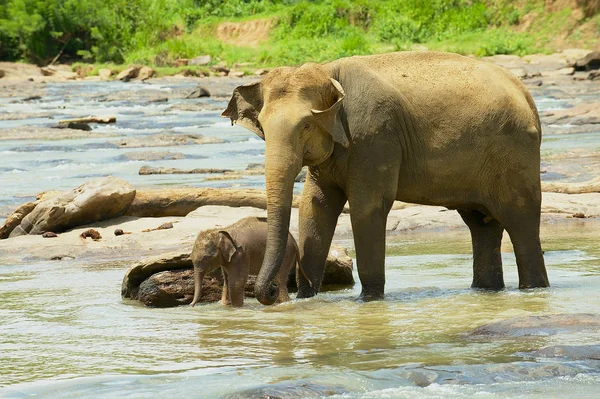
{"points": [[589, 62], [193, 72], [99, 199], [91, 233], [338, 267], [120, 232], [143, 270], [105, 73], [145, 73], [164, 226], [579, 215], [74, 125], [586, 352], [181, 62], [2, 73], [592, 186], [261, 72], [159, 100], [540, 325], [175, 288], [519, 72], [566, 71], [152, 155], [181, 201], [289, 390], [198, 92], [201, 60], [594, 75], [149, 170], [485, 374], [15, 219], [31, 98], [582, 114], [237, 74], [128, 74], [166, 140], [48, 71], [220, 68], [167, 281], [49, 234], [301, 178]]}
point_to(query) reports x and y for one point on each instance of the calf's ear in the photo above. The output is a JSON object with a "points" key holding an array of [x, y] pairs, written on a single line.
{"points": [[227, 246], [244, 107]]}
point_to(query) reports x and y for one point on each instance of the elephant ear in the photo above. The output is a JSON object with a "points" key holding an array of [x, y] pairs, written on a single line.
{"points": [[244, 107], [227, 246], [330, 119]]}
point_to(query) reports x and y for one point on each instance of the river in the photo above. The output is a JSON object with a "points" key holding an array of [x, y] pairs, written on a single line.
{"points": [[65, 331]]}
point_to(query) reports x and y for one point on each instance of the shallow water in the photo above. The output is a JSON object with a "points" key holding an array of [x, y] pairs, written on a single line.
{"points": [[65, 332]]}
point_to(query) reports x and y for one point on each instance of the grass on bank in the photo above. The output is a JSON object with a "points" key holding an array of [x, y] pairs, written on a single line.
{"points": [[158, 32]]}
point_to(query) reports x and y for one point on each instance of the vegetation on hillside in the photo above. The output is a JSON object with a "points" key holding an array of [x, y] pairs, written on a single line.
{"points": [[160, 31]]}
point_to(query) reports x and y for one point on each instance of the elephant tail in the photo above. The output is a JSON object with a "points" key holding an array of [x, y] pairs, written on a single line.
{"points": [[298, 261]]}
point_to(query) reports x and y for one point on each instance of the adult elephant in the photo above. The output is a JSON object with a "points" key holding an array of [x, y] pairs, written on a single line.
{"points": [[422, 127]]}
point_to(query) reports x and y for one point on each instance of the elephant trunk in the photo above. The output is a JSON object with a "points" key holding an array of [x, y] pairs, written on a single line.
{"points": [[280, 173], [198, 277]]}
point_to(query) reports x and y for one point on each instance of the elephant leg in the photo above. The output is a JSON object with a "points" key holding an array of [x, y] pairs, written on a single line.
{"points": [[225, 298], [523, 227], [238, 276], [319, 210], [368, 228], [486, 236]]}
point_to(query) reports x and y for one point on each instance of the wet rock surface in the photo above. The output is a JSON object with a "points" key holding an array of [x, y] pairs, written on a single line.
{"points": [[539, 325], [289, 390]]}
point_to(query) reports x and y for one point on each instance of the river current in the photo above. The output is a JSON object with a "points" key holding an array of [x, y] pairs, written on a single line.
{"points": [[66, 333]]}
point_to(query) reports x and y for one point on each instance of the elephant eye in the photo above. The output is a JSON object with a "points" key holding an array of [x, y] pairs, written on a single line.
{"points": [[306, 126]]}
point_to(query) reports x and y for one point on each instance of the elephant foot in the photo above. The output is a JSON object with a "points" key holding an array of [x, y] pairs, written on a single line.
{"points": [[370, 296]]}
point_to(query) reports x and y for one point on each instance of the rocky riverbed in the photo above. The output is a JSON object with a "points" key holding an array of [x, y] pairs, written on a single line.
{"points": [[63, 317]]}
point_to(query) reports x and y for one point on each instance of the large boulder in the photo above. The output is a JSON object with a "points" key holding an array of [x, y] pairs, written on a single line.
{"points": [[167, 280], [99, 199], [589, 62]]}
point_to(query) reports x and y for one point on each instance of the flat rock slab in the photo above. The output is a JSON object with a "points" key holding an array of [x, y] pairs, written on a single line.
{"points": [[572, 352], [492, 373], [539, 325]]}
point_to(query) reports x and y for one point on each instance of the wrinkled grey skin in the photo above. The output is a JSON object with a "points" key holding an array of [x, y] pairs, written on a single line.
{"points": [[239, 250], [422, 127]]}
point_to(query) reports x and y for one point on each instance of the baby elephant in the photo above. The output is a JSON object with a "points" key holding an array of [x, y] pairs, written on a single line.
{"points": [[239, 249]]}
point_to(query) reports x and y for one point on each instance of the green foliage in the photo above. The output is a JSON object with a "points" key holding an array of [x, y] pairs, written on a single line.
{"points": [[160, 31]]}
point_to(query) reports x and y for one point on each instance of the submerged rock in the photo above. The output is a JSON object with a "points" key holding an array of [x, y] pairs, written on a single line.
{"points": [[152, 155], [166, 140], [288, 390], [572, 352], [540, 325], [198, 92], [99, 199], [491, 373], [149, 170]]}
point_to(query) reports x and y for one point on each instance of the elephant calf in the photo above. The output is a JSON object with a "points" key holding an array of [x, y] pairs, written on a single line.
{"points": [[239, 250]]}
